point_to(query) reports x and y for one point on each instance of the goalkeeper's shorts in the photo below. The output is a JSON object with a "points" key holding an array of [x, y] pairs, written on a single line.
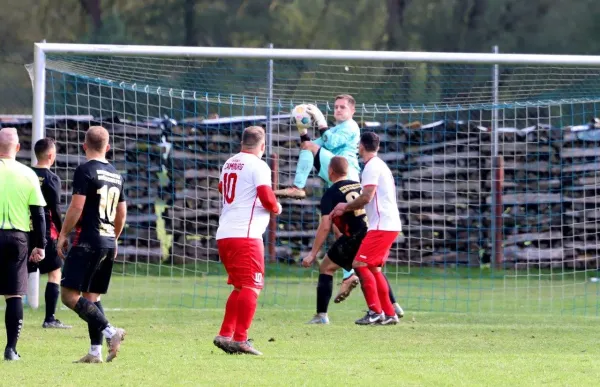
{"points": [[322, 161]]}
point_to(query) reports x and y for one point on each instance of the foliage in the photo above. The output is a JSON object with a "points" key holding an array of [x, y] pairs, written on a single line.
{"points": [[543, 26]]}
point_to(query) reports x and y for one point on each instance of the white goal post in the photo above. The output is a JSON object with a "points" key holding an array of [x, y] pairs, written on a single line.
{"points": [[453, 208]]}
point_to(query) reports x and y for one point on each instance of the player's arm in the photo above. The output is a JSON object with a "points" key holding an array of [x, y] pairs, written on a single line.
{"points": [[38, 220], [262, 180], [53, 200], [80, 186], [363, 199], [322, 231], [120, 218], [73, 214]]}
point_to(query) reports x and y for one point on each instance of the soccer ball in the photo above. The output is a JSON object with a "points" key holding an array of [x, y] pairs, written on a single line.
{"points": [[301, 118]]}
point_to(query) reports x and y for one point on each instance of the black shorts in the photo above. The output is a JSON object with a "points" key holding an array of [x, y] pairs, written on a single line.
{"points": [[14, 255], [51, 261], [344, 249], [88, 269]]}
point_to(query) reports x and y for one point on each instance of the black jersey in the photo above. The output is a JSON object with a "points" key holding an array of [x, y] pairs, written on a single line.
{"points": [[102, 187], [345, 191], [50, 185]]}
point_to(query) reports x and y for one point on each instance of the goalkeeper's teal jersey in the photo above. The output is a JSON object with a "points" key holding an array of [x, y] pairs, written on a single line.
{"points": [[342, 140]]}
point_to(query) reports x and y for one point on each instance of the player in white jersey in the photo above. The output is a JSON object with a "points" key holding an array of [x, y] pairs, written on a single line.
{"points": [[378, 198], [248, 202]]}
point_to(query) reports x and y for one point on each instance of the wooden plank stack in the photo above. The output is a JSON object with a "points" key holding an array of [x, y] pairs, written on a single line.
{"points": [[551, 199]]}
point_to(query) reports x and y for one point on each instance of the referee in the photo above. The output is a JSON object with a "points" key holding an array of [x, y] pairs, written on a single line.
{"points": [[20, 196]]}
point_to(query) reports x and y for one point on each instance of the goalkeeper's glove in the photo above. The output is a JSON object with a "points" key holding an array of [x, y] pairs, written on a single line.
{"points": [[317, 116]]}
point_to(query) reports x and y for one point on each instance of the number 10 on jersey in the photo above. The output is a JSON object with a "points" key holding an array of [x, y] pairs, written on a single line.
{"points": [[229, 183]]}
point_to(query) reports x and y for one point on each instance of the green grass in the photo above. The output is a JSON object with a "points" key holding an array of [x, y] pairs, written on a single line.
{"points": [[174, 348]]}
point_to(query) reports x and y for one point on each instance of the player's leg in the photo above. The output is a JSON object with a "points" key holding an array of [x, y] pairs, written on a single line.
{"points": [[51, 265], [13, 284], [96, 337], [327, 269], [90, 270], [251, 280], [383, 240], [306, 161], [397, 307], [227, 255], [367, 257]]}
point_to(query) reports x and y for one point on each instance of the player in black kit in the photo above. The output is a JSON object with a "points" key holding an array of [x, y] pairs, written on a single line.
{"points": [[352, 227], [45, 152], [97, 212]]}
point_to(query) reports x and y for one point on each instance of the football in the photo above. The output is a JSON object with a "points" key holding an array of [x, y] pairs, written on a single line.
{"points": [[300, 117]]}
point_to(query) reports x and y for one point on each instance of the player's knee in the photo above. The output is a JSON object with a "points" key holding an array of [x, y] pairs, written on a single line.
{"points": [[356, 264], [68, 297], [92, 297], [54, 276], [374, 269]]}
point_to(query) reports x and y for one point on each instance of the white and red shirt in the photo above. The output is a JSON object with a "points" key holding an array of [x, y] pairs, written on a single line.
{"points": [[382, 211], [243, 214]]}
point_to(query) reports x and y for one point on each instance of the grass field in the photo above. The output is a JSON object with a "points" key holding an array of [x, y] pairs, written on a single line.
{"points": [[517, 332]]}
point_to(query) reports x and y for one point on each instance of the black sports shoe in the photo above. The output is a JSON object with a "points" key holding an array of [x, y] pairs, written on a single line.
{"points": [[370, 318], [11, 355], [56, 324]]}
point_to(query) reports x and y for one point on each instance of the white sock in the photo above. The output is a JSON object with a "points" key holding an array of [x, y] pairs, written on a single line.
{"points": [[109, 332], [96, 350]]}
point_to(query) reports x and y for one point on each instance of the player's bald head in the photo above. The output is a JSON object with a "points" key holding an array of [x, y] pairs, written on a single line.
{"points": [[9, 141], [96, 138], [339, 166], [253, 137]]}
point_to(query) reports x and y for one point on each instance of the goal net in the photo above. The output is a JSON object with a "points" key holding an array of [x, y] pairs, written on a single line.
{"points": [[497, 181]]}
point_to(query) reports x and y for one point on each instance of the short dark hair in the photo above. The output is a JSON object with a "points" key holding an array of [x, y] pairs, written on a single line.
{"points": [[96, 138], [339, 165], [348, 98], [252, 136], [370, 141], [42, 147]]}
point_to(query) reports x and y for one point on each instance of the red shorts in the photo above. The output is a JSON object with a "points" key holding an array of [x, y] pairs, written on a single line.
{"points": [[375, 248], [244, 260]]}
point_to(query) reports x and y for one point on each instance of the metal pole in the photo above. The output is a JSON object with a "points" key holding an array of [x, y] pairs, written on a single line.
{"points": [[497, 175], [495, 96], [273, 161], [39, 95], [270, 107]]}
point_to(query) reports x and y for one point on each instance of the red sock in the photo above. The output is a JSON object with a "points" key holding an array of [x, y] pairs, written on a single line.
{"points": [[228, 326], [369, 288], [246, 306], [384, 293]]}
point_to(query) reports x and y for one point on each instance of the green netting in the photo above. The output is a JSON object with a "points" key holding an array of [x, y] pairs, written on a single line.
{"points": [[434, 121]]}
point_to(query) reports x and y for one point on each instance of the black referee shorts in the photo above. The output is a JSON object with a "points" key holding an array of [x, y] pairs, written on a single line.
{"points": [[14, 247], [88, 269], [51, 261], [344, 249]]}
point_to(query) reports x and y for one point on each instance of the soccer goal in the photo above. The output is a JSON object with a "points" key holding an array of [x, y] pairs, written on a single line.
{"points": [[495, 157]]}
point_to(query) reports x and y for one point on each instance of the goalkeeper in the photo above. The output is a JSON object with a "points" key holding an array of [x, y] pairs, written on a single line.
{"points": [[341, 140]]}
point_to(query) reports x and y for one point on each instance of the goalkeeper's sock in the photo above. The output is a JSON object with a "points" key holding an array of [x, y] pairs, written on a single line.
{"points": [[391, 292], [384, 293], [246, 306], [51, 296], [95, 334], [369, 288], [305, 163], [230, 318], [324, 292], [13, 320], [90, 313], [347, 274]]}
